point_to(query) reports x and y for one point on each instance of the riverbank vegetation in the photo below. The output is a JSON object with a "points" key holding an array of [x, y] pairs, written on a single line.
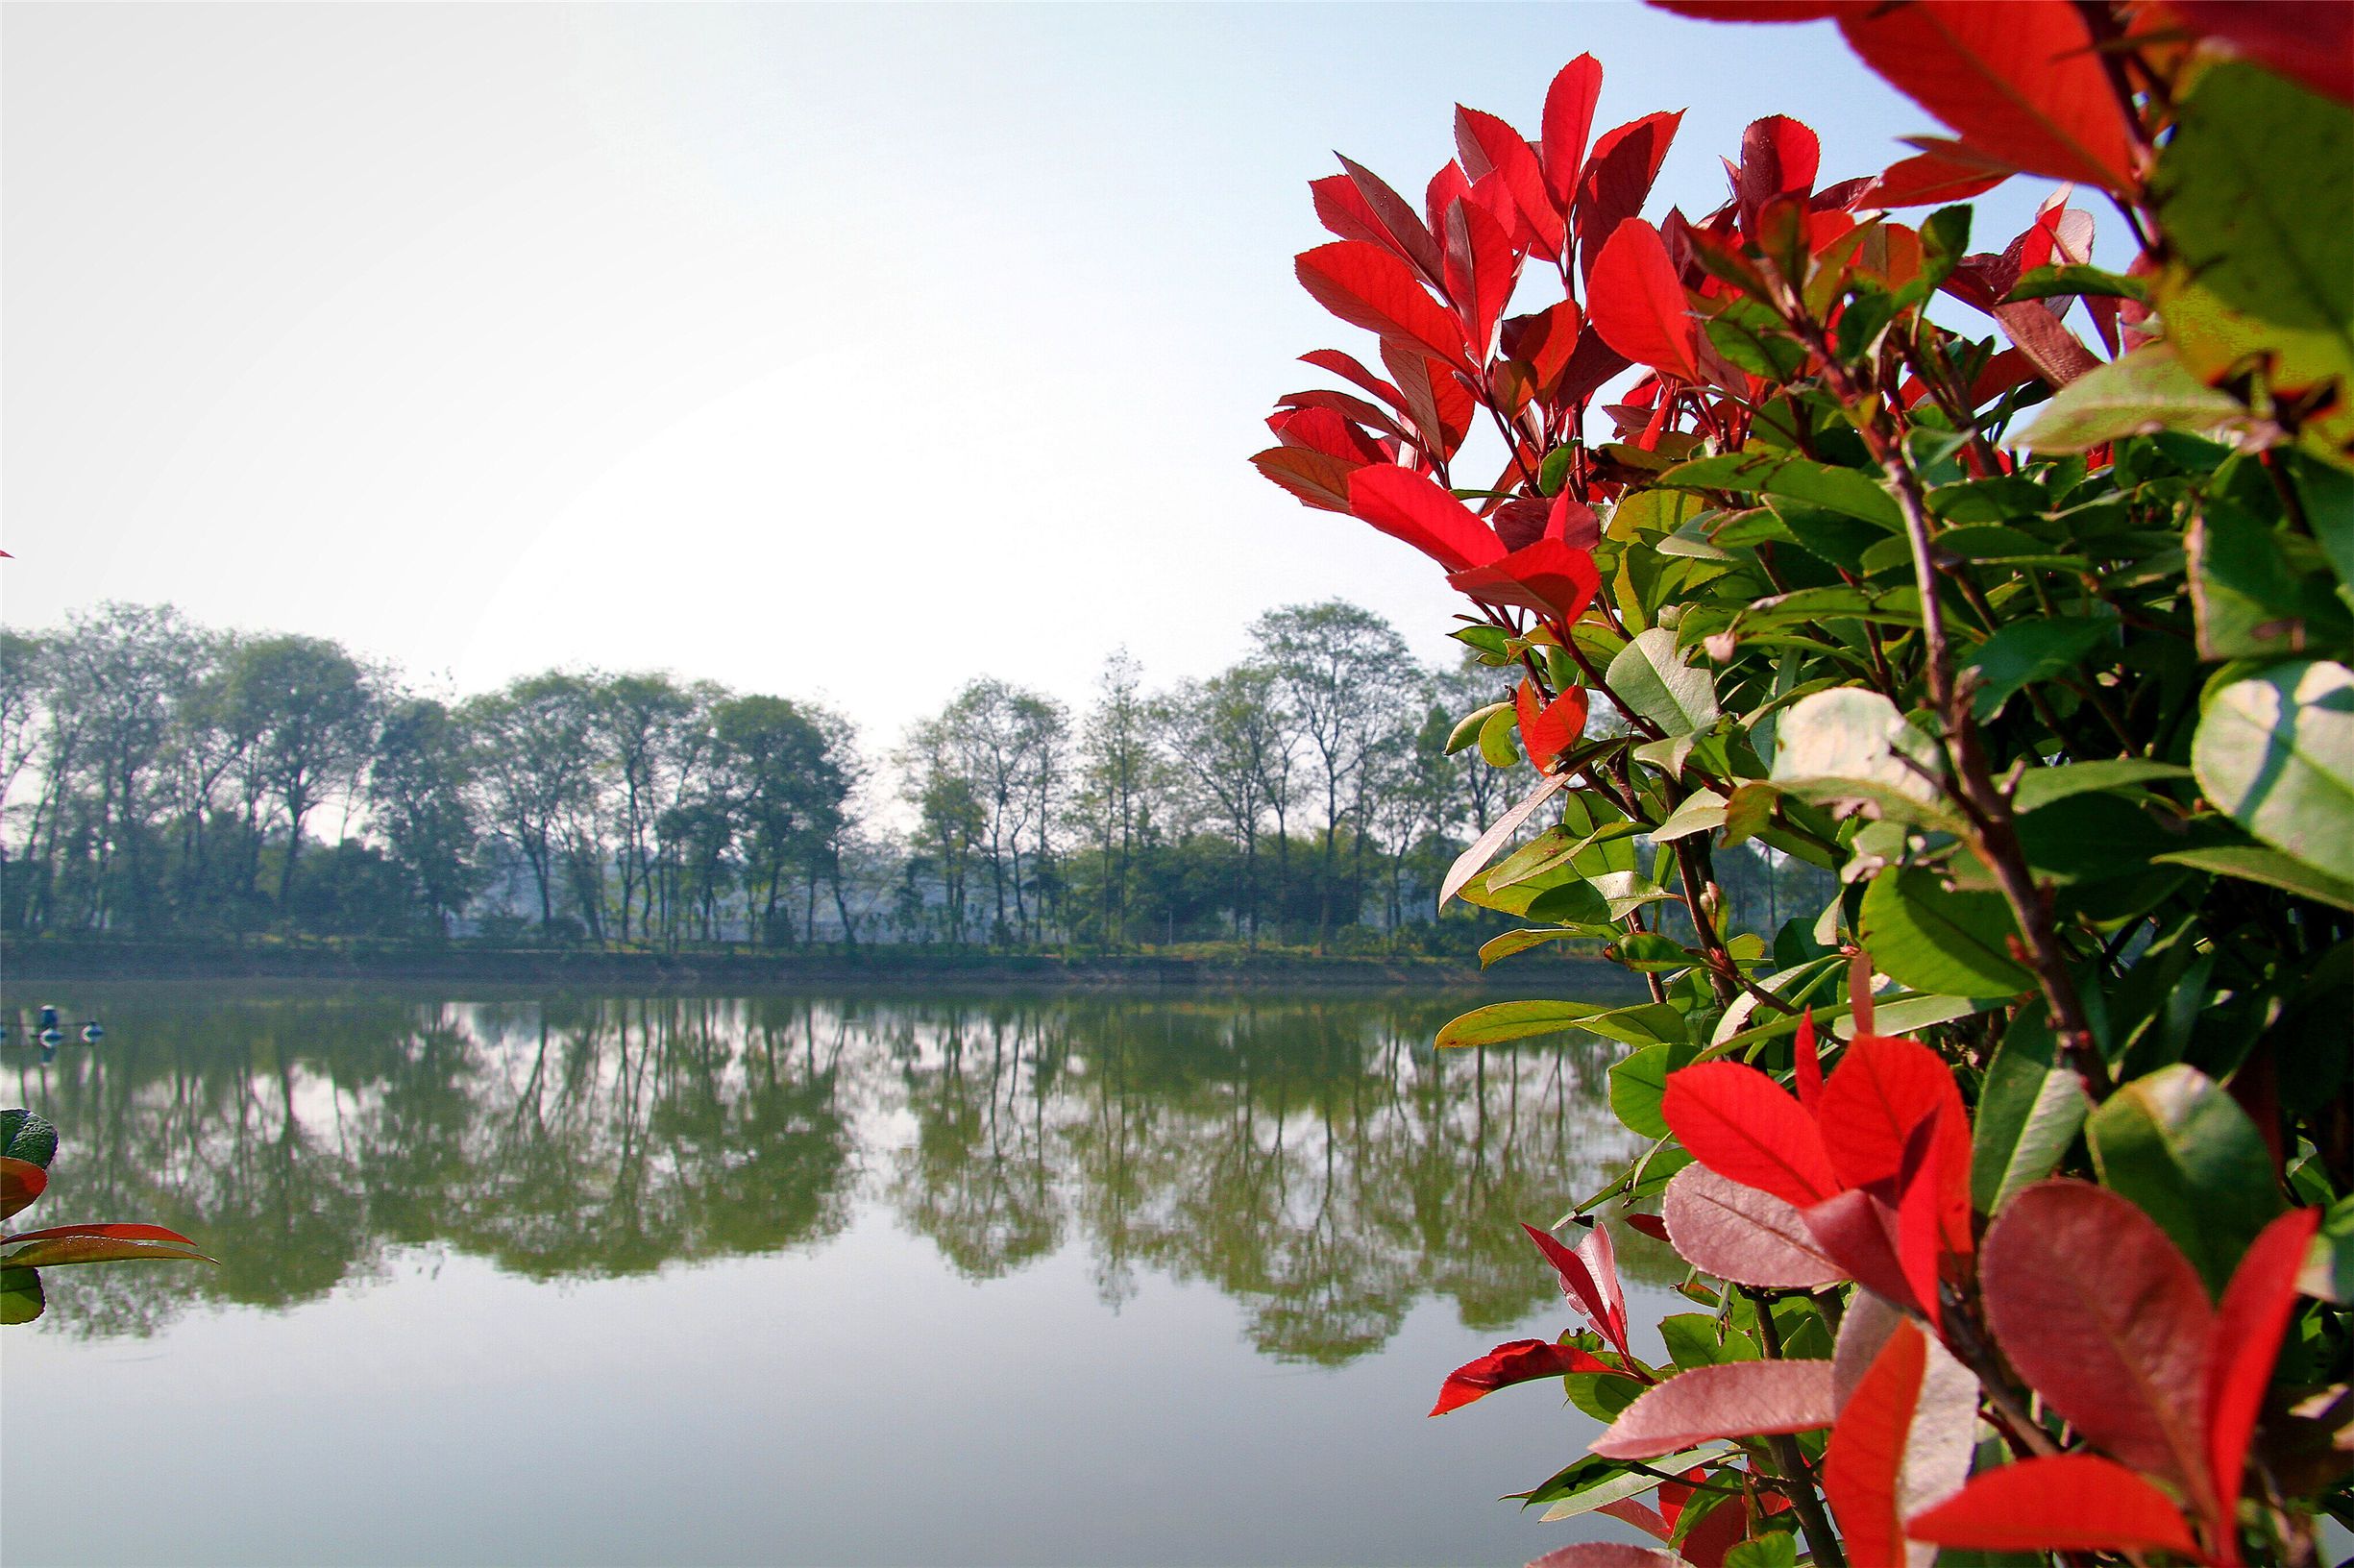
{"points": [[165, 780]]}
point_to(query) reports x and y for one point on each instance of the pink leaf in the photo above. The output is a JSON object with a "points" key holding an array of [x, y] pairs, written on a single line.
{"points": [[1740, 1398], [1742, 1234], [1605, 1555], [2107, 1320]]}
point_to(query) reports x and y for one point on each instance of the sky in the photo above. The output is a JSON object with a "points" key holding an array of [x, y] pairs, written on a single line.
{"points": [[839, 351]]}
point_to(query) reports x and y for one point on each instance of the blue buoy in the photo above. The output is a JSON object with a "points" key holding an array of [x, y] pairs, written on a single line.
{"points": [[52, 1037], [92, 1032], [49, 1016], [49, 1052]]}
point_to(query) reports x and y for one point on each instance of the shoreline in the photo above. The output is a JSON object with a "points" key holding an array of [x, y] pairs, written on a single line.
{"points": [[879, 969]]}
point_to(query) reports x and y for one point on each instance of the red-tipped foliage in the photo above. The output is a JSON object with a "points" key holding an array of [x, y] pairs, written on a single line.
{"points": [[1368, 286], [2068, 1503], [1406, 506], [1742, 1124], [1638, 307], [1521, 1360]]}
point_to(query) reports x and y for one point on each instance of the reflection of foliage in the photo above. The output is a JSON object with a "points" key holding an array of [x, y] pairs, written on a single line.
{"points": [[1315, 1162]]}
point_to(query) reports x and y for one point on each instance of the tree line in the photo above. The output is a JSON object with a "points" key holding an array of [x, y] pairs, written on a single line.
{"points": [[163, 779]]}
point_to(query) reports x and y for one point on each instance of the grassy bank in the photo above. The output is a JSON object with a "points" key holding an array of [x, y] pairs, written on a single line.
{"points": [[1201, 967]]}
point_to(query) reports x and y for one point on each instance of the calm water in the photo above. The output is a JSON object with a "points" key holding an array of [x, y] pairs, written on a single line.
{"points": [[811, 1280]]}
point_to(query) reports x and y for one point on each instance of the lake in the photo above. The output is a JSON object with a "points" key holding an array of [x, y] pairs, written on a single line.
{"points": [[820, 1279]]}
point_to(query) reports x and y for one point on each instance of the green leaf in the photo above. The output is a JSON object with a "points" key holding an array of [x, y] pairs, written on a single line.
{"points": [[1553, 471], [2040, 787], [1776, 473], [1843, 744], [2088, 838], [2181, 1148], [2053, 283], [1602, 1395], [1699, 812], [1638, 1083], [1466, 731], [1498, 1021], [2265, 252], [2148, 389], [2254, 862], [1653, 511], [2025, 652], [2254, 225], [1779, 1549], [2257, 593], [1652, 678], [1933, 940], [27, 1136], [2276, 752], [1647, 952], [1691, 1340], [1594, 1481], [1510, 943], [2329, 1271], [1495, 737], [2029, 1112], [1902, 1015], [20, 1295]]}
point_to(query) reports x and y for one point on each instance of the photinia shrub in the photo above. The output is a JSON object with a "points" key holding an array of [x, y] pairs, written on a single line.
{"points": [[27, 1145], [2017, 1187]]}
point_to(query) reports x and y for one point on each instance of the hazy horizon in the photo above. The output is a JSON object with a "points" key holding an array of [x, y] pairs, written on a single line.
{"points": [[741, 341]]}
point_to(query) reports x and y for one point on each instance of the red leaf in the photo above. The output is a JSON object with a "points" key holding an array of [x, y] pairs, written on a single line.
{"points": [[1395, 218], [2315, 44], [1448, 185], [1544, 341], [111, 1231], [1863, 1462], [1349, 369], [1641, 1515], [1483, 143], [1569, 118], [1406, 505], [1573, 523], [1553, 729], [21, 1181], [1366, 286], [1547, 577], [1928, 178], [2101, 1314], [2066, 1502], [1739, 1399], [1522, 1361], [1355, 409], [1741, 1233], [1651, 1225], [1594, 1294], [1438, 403], [1607, 1555], [1809, 1064], [1321, 430], [1745, 1126], [2246, 1338], [2058, 354], [1617, 177], [1855, 1230], [2021, 82], [82, 1248], [1319, 480], [1481, 268], [1755, 10], [1718, 1532], [1635, 303], [1779, 157], [1883, 1090], [1917, 1206]]}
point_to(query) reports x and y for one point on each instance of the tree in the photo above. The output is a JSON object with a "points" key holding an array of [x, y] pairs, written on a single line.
{"points": [[1339, 668], [422, 798], [1119, 778], [313, 717], [637, 721], [531, 752], [1221, 735]]}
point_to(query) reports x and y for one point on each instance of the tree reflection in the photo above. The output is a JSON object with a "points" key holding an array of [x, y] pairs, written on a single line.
{"points": [[1313, 1161]]}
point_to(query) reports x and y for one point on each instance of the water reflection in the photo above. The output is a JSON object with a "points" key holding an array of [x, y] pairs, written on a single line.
{"points": [[1313, 1161]]}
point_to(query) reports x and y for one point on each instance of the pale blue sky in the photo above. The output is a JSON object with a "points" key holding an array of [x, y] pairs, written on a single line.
{"points": [[844, 350]]}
